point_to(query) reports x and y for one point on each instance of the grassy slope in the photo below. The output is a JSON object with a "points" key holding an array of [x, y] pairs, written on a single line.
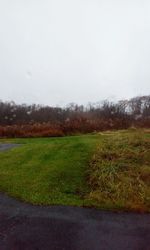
{"points": [[55, 170], [47, 170]]}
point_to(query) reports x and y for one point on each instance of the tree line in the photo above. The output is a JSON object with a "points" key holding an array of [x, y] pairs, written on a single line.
{"points": [[39, 120]]}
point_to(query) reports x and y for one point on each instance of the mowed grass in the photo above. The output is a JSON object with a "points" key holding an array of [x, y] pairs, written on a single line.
{"points": [[119, 172], [107, 170], [47, 170]]}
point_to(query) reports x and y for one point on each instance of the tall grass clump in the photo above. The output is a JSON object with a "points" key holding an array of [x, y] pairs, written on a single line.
{"points": [[119, 172]]}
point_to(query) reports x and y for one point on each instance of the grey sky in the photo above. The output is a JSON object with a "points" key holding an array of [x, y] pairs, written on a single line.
{"points": [[56, 52]]}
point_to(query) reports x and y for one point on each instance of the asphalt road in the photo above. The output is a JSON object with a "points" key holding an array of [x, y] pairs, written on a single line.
{"points": [[7, 146], [25, 227]]}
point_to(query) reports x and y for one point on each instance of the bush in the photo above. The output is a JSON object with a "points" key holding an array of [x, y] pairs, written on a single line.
{"points": [[36, 130]]}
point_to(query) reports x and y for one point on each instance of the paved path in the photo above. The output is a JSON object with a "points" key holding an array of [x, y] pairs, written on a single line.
{"points": [[7, 146], [26, 227]]}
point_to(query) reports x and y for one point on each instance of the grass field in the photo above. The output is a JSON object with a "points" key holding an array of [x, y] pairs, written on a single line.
{"points": [[106, 170], [47, 170]]}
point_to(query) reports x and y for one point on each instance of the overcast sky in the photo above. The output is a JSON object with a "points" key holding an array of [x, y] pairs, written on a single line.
{"points": [[56, 52]]}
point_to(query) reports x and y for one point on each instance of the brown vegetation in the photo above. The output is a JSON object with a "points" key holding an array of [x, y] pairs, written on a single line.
{"points": [[44, 121], [119, 172]]}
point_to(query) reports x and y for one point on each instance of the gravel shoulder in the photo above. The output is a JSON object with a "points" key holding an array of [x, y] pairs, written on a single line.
{"points": [[7, 146], [24, 226]]}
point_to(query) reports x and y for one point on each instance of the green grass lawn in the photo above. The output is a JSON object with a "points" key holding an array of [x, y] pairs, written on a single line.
{"points": [[105, 170], [47, 170]]}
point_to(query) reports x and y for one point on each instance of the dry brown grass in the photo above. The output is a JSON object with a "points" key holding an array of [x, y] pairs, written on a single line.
{"points": [[35, 130], [119, 173]]}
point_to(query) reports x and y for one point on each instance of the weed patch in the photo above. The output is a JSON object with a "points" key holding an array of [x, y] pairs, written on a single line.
{"points": [[119, 172]]}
